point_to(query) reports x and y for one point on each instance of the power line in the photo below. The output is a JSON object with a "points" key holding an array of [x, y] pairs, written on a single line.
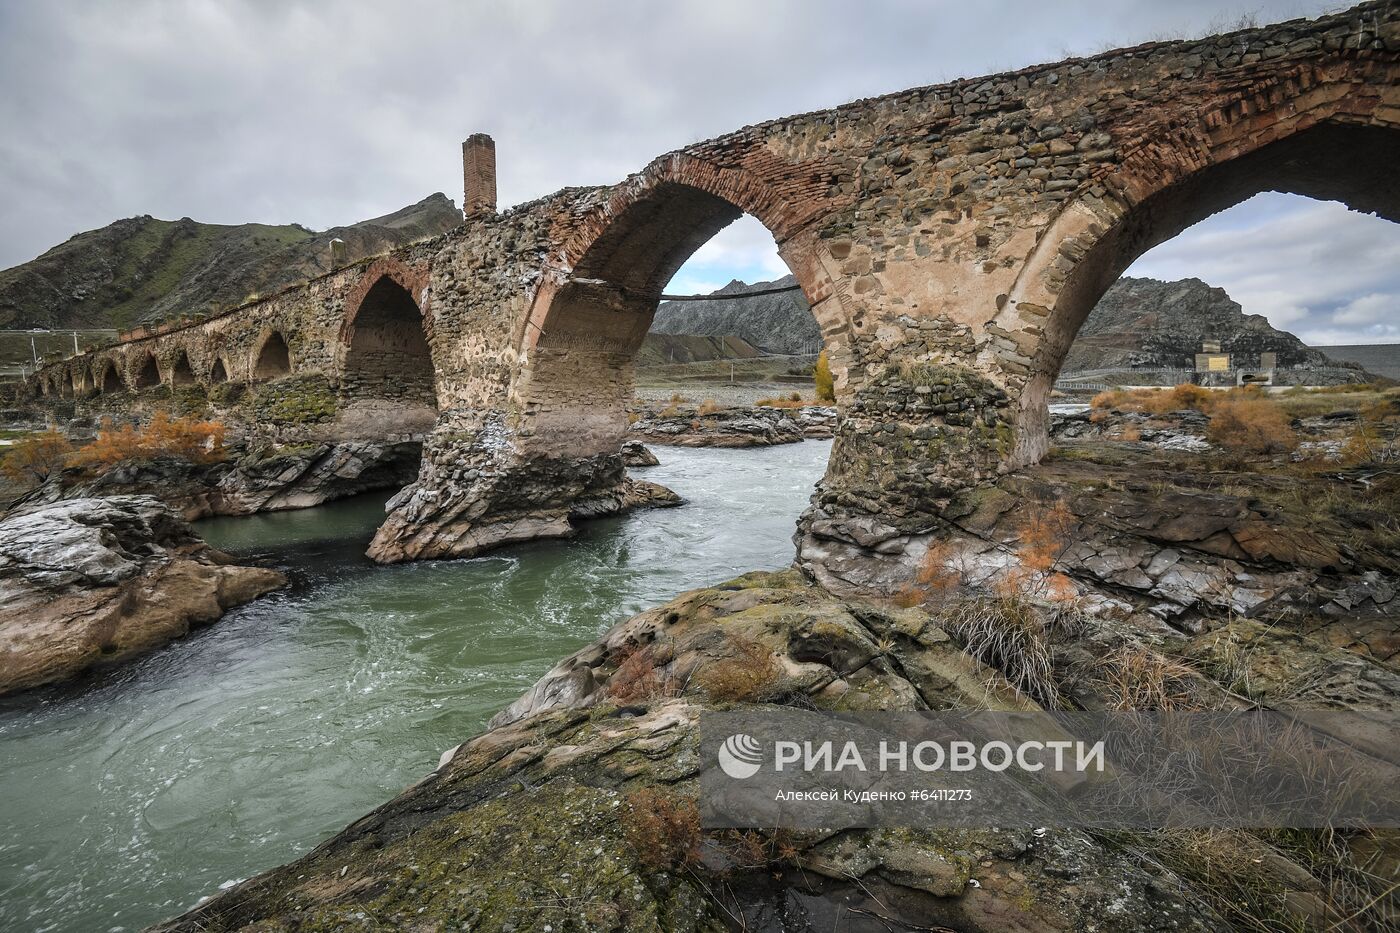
{"points": [[719, 297]]}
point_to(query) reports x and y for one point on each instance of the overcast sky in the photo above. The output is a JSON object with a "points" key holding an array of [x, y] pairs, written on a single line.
{"points": [[326, 113]]}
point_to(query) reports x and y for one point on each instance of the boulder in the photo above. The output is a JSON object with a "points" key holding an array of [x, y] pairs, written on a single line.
{"points": [[724, 427], [89, 582], [636, 454]]}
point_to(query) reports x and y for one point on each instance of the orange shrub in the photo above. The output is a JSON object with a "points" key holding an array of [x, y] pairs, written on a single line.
{"points": [[185, 438], [1044, 537], [1247, 425], [745, 675], [36, 458], [823, 380], [793, 401], [635, 679], [1110, 398], [935, 577], [1158, 401], [662, 829]]}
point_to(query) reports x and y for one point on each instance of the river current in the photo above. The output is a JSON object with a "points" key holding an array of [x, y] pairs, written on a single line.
{"points": [[127, 797]]}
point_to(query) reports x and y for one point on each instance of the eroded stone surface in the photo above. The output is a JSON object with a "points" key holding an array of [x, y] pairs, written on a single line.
{"points": [[950, 240], [87, 582]]}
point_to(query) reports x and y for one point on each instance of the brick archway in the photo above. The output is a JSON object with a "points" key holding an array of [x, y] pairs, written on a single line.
{"points": [[385, 348], [601, 287], [1337, 141]]}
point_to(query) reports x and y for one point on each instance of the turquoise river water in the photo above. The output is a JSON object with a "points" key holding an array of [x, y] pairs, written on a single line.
{"points": [[126, 798]]}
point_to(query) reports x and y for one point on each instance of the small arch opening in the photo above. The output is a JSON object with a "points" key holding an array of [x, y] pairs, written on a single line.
{"points": [[388, 355], [219, 373], [108, 380], [149, 373], [274, 359], [182, 374]]}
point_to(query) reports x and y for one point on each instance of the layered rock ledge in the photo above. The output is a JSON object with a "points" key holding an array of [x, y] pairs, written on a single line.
{"points": [[259, 477], [757, 426], [91, 582], [575, 811]]}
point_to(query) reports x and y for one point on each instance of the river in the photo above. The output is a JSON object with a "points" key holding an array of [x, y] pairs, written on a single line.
{"points": [[126, 798]]}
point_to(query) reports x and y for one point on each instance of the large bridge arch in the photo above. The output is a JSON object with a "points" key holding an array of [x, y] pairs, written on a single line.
{"points": [[385, 350], [1337, 141], [601, 288]]}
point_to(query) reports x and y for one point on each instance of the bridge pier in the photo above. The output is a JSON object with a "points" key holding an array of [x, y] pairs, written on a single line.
{"points": [[950, 240]]}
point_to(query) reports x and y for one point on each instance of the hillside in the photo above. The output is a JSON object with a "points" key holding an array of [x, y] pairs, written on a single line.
{"points": [[1138, 324], [144, 270], [671, 349], [774, 323], [1145, 323]]}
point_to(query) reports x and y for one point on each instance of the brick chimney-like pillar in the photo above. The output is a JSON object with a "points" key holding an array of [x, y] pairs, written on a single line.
{"points": [[479, 175]]}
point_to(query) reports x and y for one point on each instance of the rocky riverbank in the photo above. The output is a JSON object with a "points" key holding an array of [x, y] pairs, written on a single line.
{"points": [[577, 809], [258, 477], [682, 424], [87, 582]]}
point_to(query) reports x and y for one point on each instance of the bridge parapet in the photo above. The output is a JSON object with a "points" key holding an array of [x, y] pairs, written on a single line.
{"points": [[951, 240]]}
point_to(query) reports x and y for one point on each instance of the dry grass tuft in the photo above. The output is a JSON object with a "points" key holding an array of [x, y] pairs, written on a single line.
{"points": [[748, 673], [1138, 679], [663, 829], [1009, 635], [1251, 426], [635, 680]]}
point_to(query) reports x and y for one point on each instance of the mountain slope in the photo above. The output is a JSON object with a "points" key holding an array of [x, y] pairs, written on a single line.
{"points": [[1138, 324], [776, 323], [147, 270], [1148, 323]]}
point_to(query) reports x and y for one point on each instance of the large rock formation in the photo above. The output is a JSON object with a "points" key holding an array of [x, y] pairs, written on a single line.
{"points": [[780, 323], [532, 824], [89, 582], [147, 270], [691, 426], [262, 478], [1146, 323]]}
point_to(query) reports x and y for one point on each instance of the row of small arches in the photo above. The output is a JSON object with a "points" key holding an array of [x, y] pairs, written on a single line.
{"points": [[273, 360]]}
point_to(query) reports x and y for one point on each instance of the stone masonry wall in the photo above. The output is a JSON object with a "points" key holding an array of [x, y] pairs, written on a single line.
{"points": [[950, 240]]}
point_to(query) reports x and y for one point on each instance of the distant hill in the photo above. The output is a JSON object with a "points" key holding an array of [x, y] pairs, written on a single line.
{"points": [[779, 323], [1138, 324], [1146, 323], [1383, 359], [143, 270], [669, 349]]}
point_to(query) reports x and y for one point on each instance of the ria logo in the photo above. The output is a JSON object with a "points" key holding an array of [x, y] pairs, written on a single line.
{"points": [[740, 756]]}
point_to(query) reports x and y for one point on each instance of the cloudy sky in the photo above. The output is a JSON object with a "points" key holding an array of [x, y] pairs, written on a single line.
{"points": [[326, 113]]}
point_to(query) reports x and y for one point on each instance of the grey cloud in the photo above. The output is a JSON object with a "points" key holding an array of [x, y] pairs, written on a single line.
{"points": [[321, 113]]}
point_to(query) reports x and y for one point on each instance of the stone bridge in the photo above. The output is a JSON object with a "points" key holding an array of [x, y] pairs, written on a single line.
{"points": [[951, 240]]}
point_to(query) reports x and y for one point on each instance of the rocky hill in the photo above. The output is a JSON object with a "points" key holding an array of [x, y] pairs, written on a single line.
{"points": [[1138, 324], [778, 323], [146, 270], [1147, 323]]}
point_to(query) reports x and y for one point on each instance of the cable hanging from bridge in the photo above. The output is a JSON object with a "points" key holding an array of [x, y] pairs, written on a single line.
{"points": [[718, 297]]}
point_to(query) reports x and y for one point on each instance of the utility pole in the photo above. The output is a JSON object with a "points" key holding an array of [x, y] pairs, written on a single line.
{"points": [[76, 351], [34, 349]]}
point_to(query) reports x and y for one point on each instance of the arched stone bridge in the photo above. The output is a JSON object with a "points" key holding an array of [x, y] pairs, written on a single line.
{"points": [[951, 240]]}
